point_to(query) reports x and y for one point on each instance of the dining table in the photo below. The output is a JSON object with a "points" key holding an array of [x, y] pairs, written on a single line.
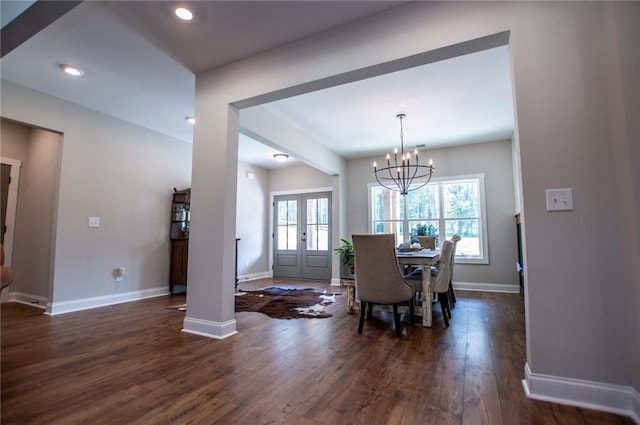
{"points": [[423, 258]]}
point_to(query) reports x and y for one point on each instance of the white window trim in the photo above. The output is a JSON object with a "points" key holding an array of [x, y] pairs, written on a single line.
{"points": [[483, 230]]}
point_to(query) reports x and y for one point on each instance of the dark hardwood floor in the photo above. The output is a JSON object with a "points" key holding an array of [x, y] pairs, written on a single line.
{"points": [[131, 364]]}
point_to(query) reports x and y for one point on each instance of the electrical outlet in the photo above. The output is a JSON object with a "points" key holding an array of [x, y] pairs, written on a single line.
{"points": [[119, 273], [559, 199], [94, 221]]}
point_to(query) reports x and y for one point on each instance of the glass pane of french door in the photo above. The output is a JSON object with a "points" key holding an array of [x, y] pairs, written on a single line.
{"points": [[317, 224], [287, 224]]}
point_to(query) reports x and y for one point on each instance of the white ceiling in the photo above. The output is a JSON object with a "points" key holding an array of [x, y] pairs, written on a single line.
{"points": [[140, 64]]}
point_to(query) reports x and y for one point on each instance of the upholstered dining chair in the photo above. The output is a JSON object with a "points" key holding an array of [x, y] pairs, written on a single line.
{"points": [[439, 283], [442, 279], [428, 242], [378, 278], [452, 296]]}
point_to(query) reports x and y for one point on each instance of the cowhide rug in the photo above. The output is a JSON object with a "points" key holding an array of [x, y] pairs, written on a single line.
{"points": [[282, 303]]}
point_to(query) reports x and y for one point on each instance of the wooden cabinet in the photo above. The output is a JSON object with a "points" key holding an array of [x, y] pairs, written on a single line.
{"points": [[179, 261], [179, 235]]}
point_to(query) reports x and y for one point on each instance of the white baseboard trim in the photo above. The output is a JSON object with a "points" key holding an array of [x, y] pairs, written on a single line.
{"points": [[29, 299], [102, 301], [209, 329], [469, 286], [254, 276], [486, 287], [463, 286], [610, 398]]}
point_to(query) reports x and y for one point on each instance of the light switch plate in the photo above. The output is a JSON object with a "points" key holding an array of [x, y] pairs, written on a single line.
{"points": [[559, 199], [94, 221]]}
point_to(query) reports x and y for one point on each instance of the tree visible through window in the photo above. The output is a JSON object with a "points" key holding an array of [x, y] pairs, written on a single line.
{"points": [[441, 209]]}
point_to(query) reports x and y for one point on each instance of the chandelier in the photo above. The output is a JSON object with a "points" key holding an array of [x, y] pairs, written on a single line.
{"points": [[401, 174]]}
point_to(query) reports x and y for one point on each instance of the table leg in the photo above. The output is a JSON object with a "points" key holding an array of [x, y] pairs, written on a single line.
{"points": [[426, 297], [351, 299], [352, 305]]}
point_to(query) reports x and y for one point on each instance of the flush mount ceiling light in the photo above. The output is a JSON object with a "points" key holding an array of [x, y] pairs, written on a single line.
{"points": [[183, 13], [280, 157], [191, 120], [71, 70], [401, 174]]}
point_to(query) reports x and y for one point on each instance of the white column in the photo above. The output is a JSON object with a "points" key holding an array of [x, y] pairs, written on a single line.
{"points": [[211, 276]]}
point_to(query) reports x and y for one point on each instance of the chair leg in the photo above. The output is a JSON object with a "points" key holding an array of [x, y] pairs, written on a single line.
{"points": [[412, 315], [363, 313], [452, 295], [396, 319], [417, 298], [447, 302], [444, 307]]}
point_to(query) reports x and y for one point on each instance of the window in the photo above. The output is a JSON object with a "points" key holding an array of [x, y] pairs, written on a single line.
{"points": [[442, 208]]}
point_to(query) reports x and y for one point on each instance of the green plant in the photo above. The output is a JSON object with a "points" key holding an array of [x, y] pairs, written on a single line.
{"points": [[421, 230], [346, 253]]}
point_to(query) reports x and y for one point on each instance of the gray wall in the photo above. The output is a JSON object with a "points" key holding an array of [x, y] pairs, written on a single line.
{"points": [[14, 140], [495, 162], [114, 170], [568, 96], [298, 178], [252, 222]]}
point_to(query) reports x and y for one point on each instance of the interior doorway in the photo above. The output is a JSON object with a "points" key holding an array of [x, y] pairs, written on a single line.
{"points": [[31, 203], [9, 182], [302, 236], [5, 180]]}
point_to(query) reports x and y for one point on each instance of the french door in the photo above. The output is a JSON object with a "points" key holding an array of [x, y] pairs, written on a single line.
{"points": [[302, 236]]}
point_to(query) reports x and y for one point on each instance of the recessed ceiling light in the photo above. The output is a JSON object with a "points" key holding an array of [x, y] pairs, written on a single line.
{"points": [[183, 13], [280, 157], [71, 70], [191, 120]]}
